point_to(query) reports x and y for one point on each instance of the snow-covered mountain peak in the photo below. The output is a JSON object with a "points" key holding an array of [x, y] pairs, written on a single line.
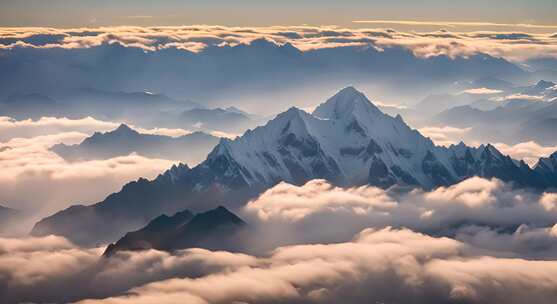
{"points": [[489, 151], [347, 101], [349, 141], [292, 112], [340, 141]]}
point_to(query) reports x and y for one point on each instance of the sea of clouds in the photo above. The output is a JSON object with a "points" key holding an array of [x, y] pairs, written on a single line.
{"points": [[510, 45], [479, 241]]}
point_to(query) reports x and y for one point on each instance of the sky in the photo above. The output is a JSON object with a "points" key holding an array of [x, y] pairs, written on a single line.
{"points": [[81, 13]]}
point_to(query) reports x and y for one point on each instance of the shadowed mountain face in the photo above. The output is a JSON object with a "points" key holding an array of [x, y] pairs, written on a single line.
{"points": [[547, 167], [347, 141], [191, 148], [217, 229]]}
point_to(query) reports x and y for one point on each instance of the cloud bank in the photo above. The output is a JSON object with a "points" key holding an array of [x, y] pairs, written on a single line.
{"points": [[475, 209], [376, 265], [13, 128], [26, 163], [529, 151], [453, 24], [475, 242], [386, 265], [510, 45]]}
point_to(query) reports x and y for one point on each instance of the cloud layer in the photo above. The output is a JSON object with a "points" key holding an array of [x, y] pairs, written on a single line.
{"points": [[475, 242], [39, 182], [510, 45], [476, 209], [376, 265], [529, 151], [12, 128]]}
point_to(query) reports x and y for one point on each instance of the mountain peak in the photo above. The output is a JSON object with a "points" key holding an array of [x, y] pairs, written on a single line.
{"points": [[214, 218], [346, 101], [124, 129], [215, 229], [290, 114]]}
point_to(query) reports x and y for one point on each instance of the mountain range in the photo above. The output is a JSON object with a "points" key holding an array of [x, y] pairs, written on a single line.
{"points": [[140, 108], [489, 94], [80, 102], [191, 148], [347, 140], [216, 229], [240, 74], [530, 114]]}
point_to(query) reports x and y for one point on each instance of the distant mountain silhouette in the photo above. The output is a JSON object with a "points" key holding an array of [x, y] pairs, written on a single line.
{"points": [[217, 229], [141, 108], [261, 68], [514, 115], [190, 148]]}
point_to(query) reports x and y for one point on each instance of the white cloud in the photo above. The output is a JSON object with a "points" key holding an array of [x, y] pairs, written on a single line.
{"points": [[294, 203], [377, 266], [529, 151], [12, 128], [27, 163], [453, 24], [519, 96], [374, 261], [318, 209], [510, 45], [481, 91], [445, 136]]}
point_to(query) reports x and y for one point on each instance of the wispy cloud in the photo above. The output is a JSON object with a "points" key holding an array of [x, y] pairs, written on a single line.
{"points": [[457, 24], [140, 17], [26, 161], [445, 136], [374, 255], [481, 91]]}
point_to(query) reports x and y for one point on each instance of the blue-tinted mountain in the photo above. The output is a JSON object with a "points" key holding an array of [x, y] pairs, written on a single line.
{"points": [[141, 108], [216, 229], [516, 121], [30, 105], [217, 74], [191, 148], [347, 140]]}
